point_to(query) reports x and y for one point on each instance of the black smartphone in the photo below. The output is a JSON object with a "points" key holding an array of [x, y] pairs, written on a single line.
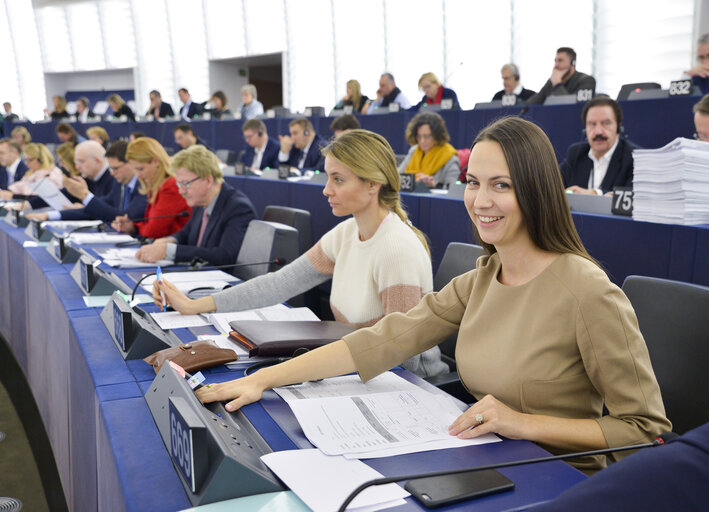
{"points": [[437, 491], [65, 172]]}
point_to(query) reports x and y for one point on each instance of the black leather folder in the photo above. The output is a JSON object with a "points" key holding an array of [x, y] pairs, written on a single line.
{"points": [[265, 338]]}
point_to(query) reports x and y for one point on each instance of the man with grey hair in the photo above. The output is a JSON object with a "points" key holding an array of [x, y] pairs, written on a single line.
{"points": [[83, 112], [387, 94], [700, 72], [512, 85], [250, 107]]}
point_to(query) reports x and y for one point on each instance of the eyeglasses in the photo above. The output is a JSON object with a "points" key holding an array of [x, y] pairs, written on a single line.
{"points": [[185, 185], [116, 169]]}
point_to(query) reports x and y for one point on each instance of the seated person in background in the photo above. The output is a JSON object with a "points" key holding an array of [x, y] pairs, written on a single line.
{"points": [[434, 92], [59, 109], [302, 148], [605, 160], [20, 135], [135, 135], [65, 158], [95, 180], [189, 108], [431, 157], [343, 123], [564, 78], [669, 477], [545, 340], [8, 114], [165, 203], [220, 217], [186, 137], [98, 134], [701, 119], [66, 133], [378, 261], [511, 84], [12, 168], [83, 111], [40, 165], [250, 106], [221, 106], [158, 108], [387, 94], [119, 107], [354, 98], [700, 72], [124, 196], [261, 151]]}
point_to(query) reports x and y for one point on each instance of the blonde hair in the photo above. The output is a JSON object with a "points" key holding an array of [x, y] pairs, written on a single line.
{"points": [[66, 153], [431, 78], [199, 160], [99, 132], [115, 98], [145, 150], [41, 153], [26, 137], [370, 157], [61, 103], [356, 95]]}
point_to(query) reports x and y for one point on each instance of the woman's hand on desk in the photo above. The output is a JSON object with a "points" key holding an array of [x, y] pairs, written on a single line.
{"points": [[179, 301], [496, 418], [242, 391], [123, 224]]}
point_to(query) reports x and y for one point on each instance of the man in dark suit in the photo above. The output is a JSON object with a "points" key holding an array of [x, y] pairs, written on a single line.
{"points": [[186, 137], [565, 79], [511, 84], [605, 161], [220, 213], [301, 149], [261, 151], [12, 168], [8, 114], [158, 108], [90, 161], [83, 111], [189, 108]]}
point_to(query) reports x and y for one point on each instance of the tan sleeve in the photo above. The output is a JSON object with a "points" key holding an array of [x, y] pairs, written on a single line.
{"points": [[398, 336], [319, 260], [400, 297], [618, 364]]}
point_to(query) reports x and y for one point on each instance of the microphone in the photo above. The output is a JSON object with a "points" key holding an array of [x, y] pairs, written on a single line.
{"points": [[197, 261], [659, 441], [184, 213], [99, 227]]}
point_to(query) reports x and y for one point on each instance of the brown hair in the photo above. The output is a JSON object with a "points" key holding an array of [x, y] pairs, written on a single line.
{"points": [[434, 121], [255, 125], [702, 106], [538, 186], [603, 101], [69, 129], [345, 122], [304, 123], [145, 150]]}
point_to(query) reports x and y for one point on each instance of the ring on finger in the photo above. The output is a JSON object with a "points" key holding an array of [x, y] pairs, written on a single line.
{"points": [[479, 418]]}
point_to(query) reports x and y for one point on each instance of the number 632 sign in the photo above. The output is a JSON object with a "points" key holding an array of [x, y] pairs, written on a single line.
{"points": [[622, 201]]}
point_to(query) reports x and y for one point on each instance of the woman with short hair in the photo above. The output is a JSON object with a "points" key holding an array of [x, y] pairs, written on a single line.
{"points": [[434, 92], [221, 106], [431, 157], [250, 107]]}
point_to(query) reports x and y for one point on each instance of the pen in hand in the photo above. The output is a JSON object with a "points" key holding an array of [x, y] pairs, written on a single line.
{"points": [[158, 276]]}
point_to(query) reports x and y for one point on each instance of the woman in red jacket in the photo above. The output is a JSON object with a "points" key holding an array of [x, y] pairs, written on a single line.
{"points": [[152, 166]]}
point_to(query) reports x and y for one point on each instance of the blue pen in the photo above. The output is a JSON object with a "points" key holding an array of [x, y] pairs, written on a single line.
{"points": [[158, 275]]}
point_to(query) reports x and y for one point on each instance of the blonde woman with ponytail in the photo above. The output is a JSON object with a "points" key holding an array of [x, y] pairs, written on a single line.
{"points": [[378, 262]]}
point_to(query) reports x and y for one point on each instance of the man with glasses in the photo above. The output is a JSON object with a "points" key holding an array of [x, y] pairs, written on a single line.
{"points": [[219, 219], [701, 119], [605, 161], [261, 151], [700, 72]]}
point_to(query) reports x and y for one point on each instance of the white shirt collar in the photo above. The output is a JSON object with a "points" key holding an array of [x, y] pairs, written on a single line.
{"points": [[101, 173], [606, 157], [518, 89]]}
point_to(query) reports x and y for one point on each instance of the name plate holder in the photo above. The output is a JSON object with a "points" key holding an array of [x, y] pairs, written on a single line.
{"points": [[216, 453], [94, 281], [622, 201], [319, 177], [35, 231], [61, 251], [15, 218], [135, 336], [273, 174]]}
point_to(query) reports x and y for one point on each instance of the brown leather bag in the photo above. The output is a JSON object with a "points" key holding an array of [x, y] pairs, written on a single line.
{"points": [[192, 356]]}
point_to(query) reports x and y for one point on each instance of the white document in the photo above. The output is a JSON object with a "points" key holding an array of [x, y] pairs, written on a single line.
{"points": [[345, 385], [51, 194], [367, 423], [175, 320], [187, 281], [276, 313], [100, 238], [223, 341], [329, 480], [125, 258], [67, 225], [441, 444]]}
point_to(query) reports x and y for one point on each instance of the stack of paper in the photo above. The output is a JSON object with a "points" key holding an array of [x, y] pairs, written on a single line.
{"points": [[276, 313], [671, 184], [125, 258], [100, 238], [189, 281]]}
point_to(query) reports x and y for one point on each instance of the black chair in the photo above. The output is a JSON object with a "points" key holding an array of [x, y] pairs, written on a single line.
{"points": [[626, 89], [294, 217], [266, 241], [458, 259], [674, 320]]}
